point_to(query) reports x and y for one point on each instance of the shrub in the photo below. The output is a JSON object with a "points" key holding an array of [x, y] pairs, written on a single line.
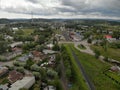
{"points": [[89, 41], [97, 53]]}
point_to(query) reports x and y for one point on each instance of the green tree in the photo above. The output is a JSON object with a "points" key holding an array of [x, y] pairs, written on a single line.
{"points": [[51, 73], [68, 73], [37, 75], [20, 32], [41, 39], [23, 89], [89, 40], [43, 74], [29, 63], [56, 47], [55, 41], [97, 53], [35, 67], [40, 48], [20, 69], [3, 46]]}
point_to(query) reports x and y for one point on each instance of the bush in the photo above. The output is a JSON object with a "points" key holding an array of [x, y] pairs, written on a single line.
{"points": [[2, 59], [115, 45], [58, 85], [89, 41], [29, 63], [16, 63], [10, 68], [106, 58], [51, 73], [56, 47], [37, 75], [68, 73], [97, 53], [23, 89], [35, 67], [20, 69]]}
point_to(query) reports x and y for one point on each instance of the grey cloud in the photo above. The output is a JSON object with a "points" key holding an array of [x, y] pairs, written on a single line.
{"points": [[33, 1], [72, 7], [105, 7]]}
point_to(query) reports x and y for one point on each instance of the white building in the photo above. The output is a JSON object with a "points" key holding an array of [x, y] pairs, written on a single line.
{"points": [[15, 29], [50, 88], [50, 45], [26, 82], [16, 43], [49, 51], [3, 87], [8, 37]]}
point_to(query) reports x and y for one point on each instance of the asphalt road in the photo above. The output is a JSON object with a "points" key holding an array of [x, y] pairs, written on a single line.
{"points": [[88, 81]]}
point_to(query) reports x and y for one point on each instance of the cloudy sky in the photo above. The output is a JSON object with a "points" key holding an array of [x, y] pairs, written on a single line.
{"points": [[108, 9]]}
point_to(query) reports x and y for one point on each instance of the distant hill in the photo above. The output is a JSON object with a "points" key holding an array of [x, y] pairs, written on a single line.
{"points": [[4, 21], [86, 21]]}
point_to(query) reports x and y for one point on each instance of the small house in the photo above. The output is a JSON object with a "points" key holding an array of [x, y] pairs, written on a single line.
{"points": [[3, 71], [14, 76], [26, 82]]}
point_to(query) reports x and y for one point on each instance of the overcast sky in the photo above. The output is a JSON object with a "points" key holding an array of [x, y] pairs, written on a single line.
{"points": [[108, 9]]}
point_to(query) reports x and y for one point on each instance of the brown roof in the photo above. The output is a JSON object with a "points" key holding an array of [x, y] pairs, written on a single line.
{"points": [[16, 49], [14, 76], [37, 53]]}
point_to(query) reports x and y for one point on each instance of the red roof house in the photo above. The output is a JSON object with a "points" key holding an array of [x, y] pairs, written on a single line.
{"points": [[108, 36]]}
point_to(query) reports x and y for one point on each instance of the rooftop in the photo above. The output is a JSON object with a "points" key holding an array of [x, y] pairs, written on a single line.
{"points": [[26, 82], [48, 51], [14, 76]]}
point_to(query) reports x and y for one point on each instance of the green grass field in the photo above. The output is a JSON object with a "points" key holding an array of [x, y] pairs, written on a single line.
{"points": [[27, 31], [111, 53], [115, 75], [79, 83], [94, 68]]}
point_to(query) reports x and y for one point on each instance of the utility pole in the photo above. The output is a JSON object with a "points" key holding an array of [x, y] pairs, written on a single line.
{"points": [[31, 17]]}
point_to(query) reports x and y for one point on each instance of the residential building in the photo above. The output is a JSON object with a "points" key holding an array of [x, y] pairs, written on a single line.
{"points": [[50, 46], [109, 38], [49, 88], [23, 58], [8, 37], [3, 70], [49, 51], [15, 29], [14, 76], [10, 55], [37, 55], [3, 87], [16, 44], [26, 82]]}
